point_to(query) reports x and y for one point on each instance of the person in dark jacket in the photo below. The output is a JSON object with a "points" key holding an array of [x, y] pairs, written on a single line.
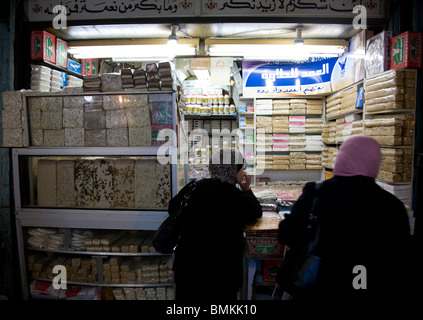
{"points": [[364, 230], [208, 258]]}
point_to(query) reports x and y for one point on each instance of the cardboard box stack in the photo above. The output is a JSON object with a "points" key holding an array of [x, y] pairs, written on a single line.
{"points": [[89, 67], [43, 46], [406, 50]]}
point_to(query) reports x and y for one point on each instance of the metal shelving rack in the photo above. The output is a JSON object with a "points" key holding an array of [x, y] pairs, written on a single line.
{"points": [[87, 218]]}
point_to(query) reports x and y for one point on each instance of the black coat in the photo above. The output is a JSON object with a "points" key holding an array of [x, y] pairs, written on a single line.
{"points": [[210, 249], [361, 224]]}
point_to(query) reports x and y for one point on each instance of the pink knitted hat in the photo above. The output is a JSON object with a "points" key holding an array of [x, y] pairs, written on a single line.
{"points": [[358, 156]]}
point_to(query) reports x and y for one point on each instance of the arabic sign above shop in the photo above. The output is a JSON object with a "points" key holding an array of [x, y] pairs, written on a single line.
{"points": [[267, 79], [42, 10], [292, 8]]}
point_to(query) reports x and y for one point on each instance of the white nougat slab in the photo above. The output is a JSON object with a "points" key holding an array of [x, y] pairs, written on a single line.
{"points": [[66, 195], [145, 184], [46, 183], [163, 193], [123, 180], [103, 183], [84, 183]]}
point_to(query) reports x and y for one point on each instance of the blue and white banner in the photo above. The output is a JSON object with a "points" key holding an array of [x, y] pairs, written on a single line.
{"points": [[264, 78]]}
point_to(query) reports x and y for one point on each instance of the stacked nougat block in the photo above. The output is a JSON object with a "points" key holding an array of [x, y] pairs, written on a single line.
{"points": [[349, 100], [396, 165], [313, 161], [280, 124], [297, 160], [111, 82], [314, 106], [105, 183], [155, 293], [297, 106], [13, 120], [264, 106], [314, 125], [167, 76], [92, 83], [280, 107], [91, 121], [140, 79], [333, 105], [391, 90], [328, 156], [281, 162], [77, 269], [394, 94], [342, 102], [127, 78], [264, 142]]}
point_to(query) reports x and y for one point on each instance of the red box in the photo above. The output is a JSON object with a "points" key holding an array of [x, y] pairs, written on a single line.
{"points": [[168, 135], [270, 270], [406, 50], [89, 66], [61, 53], [264, 247], [43, 46]]}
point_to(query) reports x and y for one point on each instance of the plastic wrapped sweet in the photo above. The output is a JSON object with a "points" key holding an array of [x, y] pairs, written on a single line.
{"points": [[377, 53]]}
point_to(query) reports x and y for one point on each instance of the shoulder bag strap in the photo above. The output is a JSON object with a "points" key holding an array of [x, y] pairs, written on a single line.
{"points": [[187, 195]]}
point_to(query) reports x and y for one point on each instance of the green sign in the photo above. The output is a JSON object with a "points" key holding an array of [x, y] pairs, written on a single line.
{"points": [[398, 52], [49, 47]]}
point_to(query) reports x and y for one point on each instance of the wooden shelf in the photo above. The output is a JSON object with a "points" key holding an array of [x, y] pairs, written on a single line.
{"points": [[56, 67]]}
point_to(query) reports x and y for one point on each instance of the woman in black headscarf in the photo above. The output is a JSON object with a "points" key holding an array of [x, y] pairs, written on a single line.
{"points": [[208, 257]]}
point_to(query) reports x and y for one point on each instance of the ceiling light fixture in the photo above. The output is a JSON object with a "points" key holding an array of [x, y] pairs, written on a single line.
{"points": [[275, 49], [298, 41], [132, 49], [172, 40]]}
